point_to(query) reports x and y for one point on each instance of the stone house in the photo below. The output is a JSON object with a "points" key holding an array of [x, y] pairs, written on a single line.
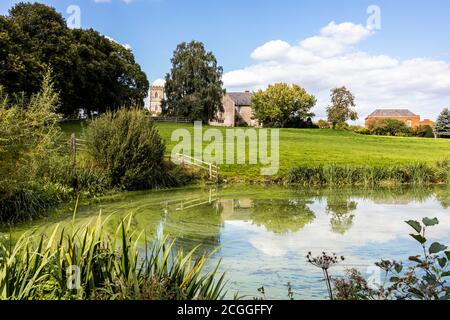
{"points": [[410, 119], [237, 109]]}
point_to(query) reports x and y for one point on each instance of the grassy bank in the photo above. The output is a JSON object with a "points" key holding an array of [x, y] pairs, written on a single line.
{"points": [[320, 147], [332, 156]]}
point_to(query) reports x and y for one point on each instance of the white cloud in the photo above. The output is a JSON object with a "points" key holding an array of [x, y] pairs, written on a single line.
{"points": [[126, 45], [159, 82], [331, 59]]}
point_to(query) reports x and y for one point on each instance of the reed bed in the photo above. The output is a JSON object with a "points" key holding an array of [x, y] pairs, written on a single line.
{"points": [[88, 263], [410, 174]]}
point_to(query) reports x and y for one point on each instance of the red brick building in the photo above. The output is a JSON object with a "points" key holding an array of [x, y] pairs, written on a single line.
{"points": [[410, 119]]}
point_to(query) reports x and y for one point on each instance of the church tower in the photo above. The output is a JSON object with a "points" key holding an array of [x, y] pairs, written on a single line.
{"points": [[156, 96]]}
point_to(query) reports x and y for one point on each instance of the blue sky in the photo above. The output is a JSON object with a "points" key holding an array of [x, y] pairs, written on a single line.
{"points": [[234, 29]]}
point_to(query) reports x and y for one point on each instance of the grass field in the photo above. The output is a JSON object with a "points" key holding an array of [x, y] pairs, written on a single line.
{"points": [[325, 146]]}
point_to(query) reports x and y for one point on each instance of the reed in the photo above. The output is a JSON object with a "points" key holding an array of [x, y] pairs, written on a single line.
{"points": [[106, 266], [410, 174]]}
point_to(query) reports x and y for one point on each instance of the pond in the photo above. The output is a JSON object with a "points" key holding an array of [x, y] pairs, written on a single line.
{"points": [[262, 234]]}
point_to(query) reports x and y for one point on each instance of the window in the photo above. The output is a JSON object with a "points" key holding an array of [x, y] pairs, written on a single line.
{"points": [[409, 123]]}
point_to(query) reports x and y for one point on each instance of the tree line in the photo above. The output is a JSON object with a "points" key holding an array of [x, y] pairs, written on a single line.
{"points": [[91, 72]]}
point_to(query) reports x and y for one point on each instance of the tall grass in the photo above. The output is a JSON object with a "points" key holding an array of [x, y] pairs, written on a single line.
{"points": [[109, 267], [413, 174]]}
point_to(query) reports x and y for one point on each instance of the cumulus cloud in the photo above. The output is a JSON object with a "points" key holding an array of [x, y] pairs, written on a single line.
{"points": [[159, 82], [332, 59]]}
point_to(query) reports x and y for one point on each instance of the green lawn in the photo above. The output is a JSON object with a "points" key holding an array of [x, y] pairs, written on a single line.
{"points": [[322, 146]]}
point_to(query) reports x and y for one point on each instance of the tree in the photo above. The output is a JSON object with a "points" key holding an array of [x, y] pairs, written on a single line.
{"points": [[90, 72], [322, 124], [281, 104], [340, 110], [194, 85], [390, 127], [442, 127]]}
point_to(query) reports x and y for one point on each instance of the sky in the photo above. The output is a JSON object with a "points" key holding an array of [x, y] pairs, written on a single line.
{"points": [[390, 54]]}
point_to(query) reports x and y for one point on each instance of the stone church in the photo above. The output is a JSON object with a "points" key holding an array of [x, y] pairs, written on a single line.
{"points": [[237, 107], [157, 95]]}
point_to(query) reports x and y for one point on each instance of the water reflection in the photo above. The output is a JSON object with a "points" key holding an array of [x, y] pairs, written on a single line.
{"points": [[264, 233]]}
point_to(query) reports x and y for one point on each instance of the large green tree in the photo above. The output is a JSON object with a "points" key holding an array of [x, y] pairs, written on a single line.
{"points": [[442, 127], [90, 71], [281, 105], [194, 84], [341, 108]]}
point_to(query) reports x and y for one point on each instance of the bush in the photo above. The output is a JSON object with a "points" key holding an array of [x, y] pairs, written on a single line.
{"points": [[360, 130], [323, 124], [29, 137], [126, 144], [390, 127], [423, 131]]}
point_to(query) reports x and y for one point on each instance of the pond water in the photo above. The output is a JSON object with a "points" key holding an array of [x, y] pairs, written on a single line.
{"points": [[264, 233]]}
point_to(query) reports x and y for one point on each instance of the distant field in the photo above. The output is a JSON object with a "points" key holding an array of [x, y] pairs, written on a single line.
{"points": [[322, 146]]}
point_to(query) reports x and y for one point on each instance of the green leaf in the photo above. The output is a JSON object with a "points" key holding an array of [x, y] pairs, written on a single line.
{"points": [[446, 274], [419, 238], [436, 247], [430, 222], [447, 253], [442, 262], [398, 267], [415, 225]]}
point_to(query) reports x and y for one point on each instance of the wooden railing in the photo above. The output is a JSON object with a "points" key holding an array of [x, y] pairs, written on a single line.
{"points": [[171, 119], [212, 169]]}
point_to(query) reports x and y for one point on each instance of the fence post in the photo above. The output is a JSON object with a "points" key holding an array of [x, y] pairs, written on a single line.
{"points": [[73, 148], [210, 170], [73, 151]]}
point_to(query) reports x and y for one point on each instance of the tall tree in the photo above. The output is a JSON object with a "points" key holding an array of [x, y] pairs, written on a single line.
{"points": [[194, 84], [341, 108], [442, 127], [281, 104], [90, 72]]}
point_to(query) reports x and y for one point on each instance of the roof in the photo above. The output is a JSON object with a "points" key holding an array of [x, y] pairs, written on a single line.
{"points": [[391, 113], [241, 98]]}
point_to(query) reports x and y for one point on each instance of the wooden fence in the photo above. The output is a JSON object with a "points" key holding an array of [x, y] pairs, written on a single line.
{"points": [[171, 119], [211, 168]]}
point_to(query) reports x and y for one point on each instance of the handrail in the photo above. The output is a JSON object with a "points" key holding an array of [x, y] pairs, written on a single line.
{"points": [[212, 168]]}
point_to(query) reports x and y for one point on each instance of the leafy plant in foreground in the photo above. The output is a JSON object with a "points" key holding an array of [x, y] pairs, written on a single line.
{"points": [[423, 278], [109, 267]]}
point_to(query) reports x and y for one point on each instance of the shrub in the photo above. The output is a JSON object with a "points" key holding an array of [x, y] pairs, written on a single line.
{"points": [[29, 137], [126, 144], [323, 124], [423, 131], [360, 130], [390, 127]]}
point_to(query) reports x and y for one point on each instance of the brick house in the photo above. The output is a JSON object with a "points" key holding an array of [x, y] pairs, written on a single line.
{"points": [[237, 108], [410, 119]]}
